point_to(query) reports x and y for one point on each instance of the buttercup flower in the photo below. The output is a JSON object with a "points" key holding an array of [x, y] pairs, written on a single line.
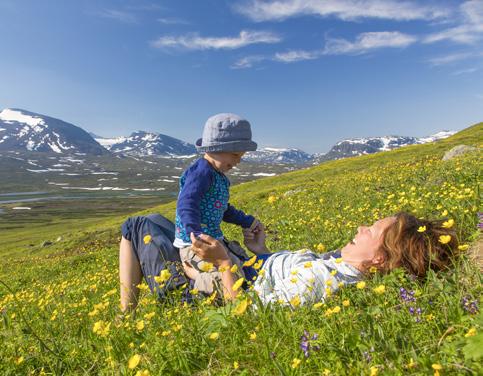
{"points": [[379, 289], [147, 239], [448, 224], [471, 333], [214, 336], [134, 361], [421, 228], [237, 284], [361, 285], [296, 362], [444, 239]]}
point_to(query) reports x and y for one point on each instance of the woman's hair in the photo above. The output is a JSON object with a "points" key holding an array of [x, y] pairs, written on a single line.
{"points": [[417, 245]]}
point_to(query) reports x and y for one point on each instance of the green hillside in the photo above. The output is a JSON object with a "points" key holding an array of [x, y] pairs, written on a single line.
{"points": [[51, 298]]}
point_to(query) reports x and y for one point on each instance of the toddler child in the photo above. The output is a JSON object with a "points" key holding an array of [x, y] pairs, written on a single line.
{"points": [[203, 201]]}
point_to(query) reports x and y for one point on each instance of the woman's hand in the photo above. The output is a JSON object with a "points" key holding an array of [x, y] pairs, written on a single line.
{"points": [[255, 240], [209, 249]]}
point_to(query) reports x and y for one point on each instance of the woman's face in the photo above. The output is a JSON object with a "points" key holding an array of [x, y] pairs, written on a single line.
{"points": [[366, 243]]}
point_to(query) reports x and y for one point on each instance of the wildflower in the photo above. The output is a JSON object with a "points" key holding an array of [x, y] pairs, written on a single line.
{"points": [[437, 367], [471, 333], [320, 247], [405, 296], [326, 372], [258, 264], [448, 224], [372, 269], [250, 262], [140, 325], [206, 266], [19, 360], [149, 316], [381, 289], [271, 199], [463, 247], [166, 333], [421, 228], [101, 328], [147, 239], [346, 303], [333, 272], [296, 362], [144, 372], [253, 336], [308, 265], [237, 284], [305, 343], [134, 361], [235, 365], [338, 260], [374, 371], [295, 301], [444, 239], [444, 213], [223, 269], [234, 268], [194, 292], [318, 305], [470, 306], [360, 285], [241, 307], [411, 363], [214, 336]]}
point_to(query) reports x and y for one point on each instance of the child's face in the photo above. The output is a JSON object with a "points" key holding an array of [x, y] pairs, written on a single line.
{"points": [[224, 161]]}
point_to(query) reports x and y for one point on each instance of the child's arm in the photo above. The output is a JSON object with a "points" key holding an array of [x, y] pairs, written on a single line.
{"points": [[197, 182], [238, 217]]}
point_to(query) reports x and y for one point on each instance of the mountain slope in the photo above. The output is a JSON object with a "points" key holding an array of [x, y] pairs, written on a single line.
{"points": [[25, 130]]}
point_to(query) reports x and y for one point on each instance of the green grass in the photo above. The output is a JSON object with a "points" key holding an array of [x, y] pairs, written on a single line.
{"points": [[61, 292]]}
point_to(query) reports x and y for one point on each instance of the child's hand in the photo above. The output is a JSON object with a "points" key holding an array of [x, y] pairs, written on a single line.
{"points": [[256, 226]]}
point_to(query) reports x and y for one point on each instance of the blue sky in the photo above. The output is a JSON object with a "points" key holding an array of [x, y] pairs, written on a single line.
{"points": [[305, 73]]}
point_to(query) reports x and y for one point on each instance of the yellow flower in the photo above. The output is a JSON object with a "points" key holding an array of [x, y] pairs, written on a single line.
{"points": [[361, 285], [444, 239], [149, 316], [448, 224], [144, 372], [19, 360], [236, 365], [295, 301], [320, 247], [234, 268], [194, 292], [163, 276], [338, 260], [463, 247], [147, 239], [421, 228], [471, 333], [308, 265], [437, 367], [374, 371], [336, 309], [253, 336], [381, 289], [258, 264], [251, 261], [346, 303], [206, 266], [296, 362], [140, 325], [166, 333], [271, 199], [411, 363], [134, 361], [372, 269], [333, 272], [241, 307], [237, 284], [326, 372], [318, 305], [214, 336], [101, 328], [444, 213], [223, 269]]}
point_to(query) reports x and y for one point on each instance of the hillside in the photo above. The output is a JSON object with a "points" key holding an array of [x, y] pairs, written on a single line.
{"points": [[64, 291]]}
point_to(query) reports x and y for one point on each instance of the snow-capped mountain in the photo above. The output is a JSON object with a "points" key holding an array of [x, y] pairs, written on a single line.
{"points": [[143, 144], [25, 130], [278, 155], [360, 146]]}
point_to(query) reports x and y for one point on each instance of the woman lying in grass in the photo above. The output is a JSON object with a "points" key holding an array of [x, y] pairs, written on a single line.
{"points": [[399, 241]]}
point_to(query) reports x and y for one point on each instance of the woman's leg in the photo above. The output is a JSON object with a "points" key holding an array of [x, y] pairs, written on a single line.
{"points": [[130, 276]]}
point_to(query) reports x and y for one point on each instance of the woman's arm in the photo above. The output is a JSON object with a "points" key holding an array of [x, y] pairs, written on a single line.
{"points": [[211, 250]]}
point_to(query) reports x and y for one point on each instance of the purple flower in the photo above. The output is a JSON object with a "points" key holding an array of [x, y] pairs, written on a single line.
{"points": [[470, 306], [305, 344], [406, 296]]}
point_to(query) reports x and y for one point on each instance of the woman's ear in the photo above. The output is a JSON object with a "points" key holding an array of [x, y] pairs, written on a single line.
{"points": [[377, 260]]}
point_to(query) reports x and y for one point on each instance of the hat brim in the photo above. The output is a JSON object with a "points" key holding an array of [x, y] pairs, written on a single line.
{"points": [[232, 146]]}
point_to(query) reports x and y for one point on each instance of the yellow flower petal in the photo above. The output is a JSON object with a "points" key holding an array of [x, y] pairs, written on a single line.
{"points": [[134, 361], [361, 285], [381, 289], [250, 262], [206, 266], [444, 239], [296, 362], [214, 336], [463, 247], [147, 239], [421, 228], [241, 308], [448, 224], [471, 332], [237, 284]]}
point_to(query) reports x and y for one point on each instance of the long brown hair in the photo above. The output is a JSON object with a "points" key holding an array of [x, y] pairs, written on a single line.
{"points": [[417, 245]]}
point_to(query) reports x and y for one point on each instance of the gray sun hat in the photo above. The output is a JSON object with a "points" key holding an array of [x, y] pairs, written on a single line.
{"points": [[226, 133]]}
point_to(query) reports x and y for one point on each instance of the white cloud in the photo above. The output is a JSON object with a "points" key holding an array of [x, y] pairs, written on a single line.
{"points": [[118, 15], [451, 58], [368, 41], [248, 61], [470, 29], [464, 71], [260, 10], [172, 21], [296, 55], [196, 42]]}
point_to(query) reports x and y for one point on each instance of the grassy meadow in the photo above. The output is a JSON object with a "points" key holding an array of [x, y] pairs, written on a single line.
{"points": [[59, 304]]}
